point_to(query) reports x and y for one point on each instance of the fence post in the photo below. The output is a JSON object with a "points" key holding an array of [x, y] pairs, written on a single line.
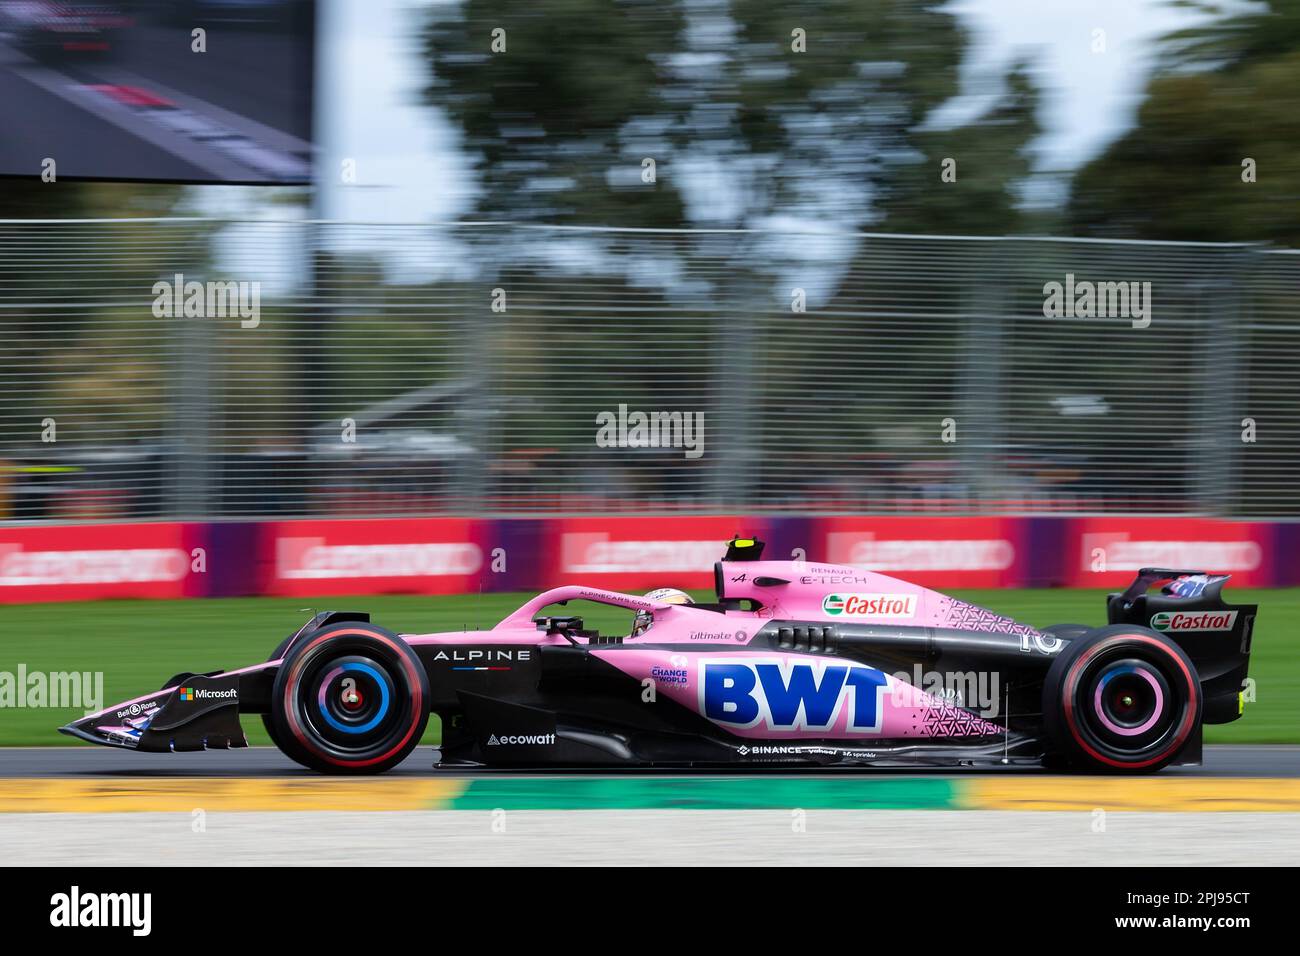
{"points": [[481, 329], [979, 395], [1217, 450], [736, 359], [192, 412]]}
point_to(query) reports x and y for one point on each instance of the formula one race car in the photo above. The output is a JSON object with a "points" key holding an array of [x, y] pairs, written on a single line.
{"points": [[795, 664]]}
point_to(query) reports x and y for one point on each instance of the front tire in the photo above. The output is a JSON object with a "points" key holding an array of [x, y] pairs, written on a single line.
{"points": [[267, 722], [350, 699], [1122, 699]]}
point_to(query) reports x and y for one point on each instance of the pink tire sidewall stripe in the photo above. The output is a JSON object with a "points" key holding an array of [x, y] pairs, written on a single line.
{"points": [[1132, 731]]}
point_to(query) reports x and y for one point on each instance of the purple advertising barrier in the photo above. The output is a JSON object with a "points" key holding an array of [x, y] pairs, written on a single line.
{"points": [[1042, 554], [232, 552], [521, 561], [1286, 551], [790, 539]]}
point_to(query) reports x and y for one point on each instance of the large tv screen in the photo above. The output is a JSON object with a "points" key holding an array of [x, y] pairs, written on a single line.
{"points": [[202, 91]]}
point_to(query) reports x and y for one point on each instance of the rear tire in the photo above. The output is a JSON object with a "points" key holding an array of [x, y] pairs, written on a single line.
{"points": [[350, 699], [1122, 699]]}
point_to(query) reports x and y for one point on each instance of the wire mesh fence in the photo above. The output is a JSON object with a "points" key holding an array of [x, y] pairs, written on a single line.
{"points": [[218, 369]]}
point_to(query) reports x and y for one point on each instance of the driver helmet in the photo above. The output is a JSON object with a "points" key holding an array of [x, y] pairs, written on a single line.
{"points": [[664, 596]]}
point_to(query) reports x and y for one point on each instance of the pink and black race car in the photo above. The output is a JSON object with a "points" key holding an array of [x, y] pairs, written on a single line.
{"points": [[796, 664]]}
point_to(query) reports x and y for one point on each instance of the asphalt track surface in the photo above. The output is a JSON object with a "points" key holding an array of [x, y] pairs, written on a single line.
{"points": [[89, 761]]}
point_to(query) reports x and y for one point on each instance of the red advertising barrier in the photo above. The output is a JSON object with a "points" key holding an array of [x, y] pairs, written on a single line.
{"points": [[1108, 552], [454, 555], [939, 552], [87, 562], [637, 554], [399, 556]]}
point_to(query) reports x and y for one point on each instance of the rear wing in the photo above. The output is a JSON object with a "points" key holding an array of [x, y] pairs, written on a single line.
{"points": [[1190, 609]]}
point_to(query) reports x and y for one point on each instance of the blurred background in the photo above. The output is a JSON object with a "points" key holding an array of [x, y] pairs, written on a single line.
{"points": [[824, 226]]}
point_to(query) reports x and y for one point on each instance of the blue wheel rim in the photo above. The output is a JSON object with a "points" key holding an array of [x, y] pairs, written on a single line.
{"points": [[373, 722]]}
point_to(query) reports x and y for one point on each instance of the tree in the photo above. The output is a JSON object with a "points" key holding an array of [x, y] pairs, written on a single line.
{"points": [[544, 92], [1222, 109], [988, 159], [750, 109]]}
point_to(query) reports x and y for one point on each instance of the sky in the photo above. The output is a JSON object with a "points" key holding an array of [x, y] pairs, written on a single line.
{"points": [[1090, 83]]}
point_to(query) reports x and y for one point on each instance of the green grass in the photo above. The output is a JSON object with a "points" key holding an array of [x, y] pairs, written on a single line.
{"points": [[139, 644]]}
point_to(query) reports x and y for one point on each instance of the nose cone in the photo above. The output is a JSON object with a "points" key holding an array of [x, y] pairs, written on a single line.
{"points": [[75, 729], [119, 726]]}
